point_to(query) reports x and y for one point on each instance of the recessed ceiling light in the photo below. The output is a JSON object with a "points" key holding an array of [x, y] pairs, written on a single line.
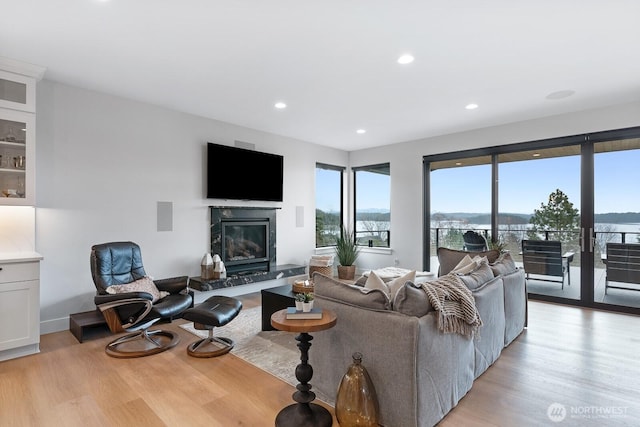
{"points": [[560, 94], [361, 131], [471, 106], [405, 59], [280, 105], [458, 163], [536, 154]]}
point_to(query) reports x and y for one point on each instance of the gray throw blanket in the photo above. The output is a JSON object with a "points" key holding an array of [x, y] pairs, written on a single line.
{"points": [[455, 305]]}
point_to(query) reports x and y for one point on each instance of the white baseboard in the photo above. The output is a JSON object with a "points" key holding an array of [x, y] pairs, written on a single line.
{"points": [[54, 325]]}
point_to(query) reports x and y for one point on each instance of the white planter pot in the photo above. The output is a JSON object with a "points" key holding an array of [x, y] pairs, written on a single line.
{"points": [[307, 306], [299, 305]]}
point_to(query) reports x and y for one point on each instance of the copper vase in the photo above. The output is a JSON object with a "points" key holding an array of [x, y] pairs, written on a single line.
{"points": [[356, 402]]}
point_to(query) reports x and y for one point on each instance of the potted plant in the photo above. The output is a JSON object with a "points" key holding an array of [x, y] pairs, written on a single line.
{"points": [[307, 305], [299, 301], [347, 251], [498, 245]]}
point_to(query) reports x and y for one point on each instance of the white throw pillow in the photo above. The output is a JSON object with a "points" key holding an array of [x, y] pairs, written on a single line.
{"points": [[141, 285], [375, 282], [390, 288], [465, 266], [398, 283]]}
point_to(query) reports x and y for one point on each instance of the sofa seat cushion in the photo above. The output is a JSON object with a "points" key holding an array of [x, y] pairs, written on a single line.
{"points": [[489, 341], [358, 296], [515, 304]]}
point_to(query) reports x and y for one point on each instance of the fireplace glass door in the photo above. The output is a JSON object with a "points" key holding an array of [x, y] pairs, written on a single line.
{"points": [[245, 245]]}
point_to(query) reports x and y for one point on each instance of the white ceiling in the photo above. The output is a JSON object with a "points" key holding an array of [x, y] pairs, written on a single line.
{"points": [[334, 61]]}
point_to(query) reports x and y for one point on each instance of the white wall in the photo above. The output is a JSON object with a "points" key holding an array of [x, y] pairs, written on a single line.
{"points": [[406, 168], [103, 163]]}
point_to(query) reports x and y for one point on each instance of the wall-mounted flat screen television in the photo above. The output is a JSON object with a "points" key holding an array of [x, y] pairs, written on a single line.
{"points": [[241, 174]]}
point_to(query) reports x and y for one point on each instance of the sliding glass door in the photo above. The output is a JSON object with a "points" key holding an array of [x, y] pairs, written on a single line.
{"points": [[539, 200], [617, 222], [566, 209], [460, 202]]}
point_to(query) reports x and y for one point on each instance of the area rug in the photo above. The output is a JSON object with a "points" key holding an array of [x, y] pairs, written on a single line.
{"points": [[275, 352]]}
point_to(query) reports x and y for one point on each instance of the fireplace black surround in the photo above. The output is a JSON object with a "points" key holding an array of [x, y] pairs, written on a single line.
{"points": [[250, 261], [245, 238]]}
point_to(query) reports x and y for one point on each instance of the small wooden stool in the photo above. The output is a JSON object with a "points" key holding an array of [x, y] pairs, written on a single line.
{"points": [[214, 312]]}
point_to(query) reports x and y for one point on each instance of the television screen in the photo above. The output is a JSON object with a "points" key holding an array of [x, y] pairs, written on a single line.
{"points": [[240, 174]]}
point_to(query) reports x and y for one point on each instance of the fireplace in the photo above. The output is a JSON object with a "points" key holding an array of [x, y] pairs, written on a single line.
{"points": [[244, 237]]}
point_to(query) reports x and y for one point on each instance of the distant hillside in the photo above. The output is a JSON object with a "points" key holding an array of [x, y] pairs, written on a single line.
{"points": [[481, 218], [373, 216], [618, 218], [510, 218]]}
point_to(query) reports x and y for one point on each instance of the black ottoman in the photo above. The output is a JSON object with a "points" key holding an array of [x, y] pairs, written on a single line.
{"points": [[214, 312]]}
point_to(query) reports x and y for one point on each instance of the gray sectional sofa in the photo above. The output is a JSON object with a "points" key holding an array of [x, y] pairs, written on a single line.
{"points": [[419, 373]]}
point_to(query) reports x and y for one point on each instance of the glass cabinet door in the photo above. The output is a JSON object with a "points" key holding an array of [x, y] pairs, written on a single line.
{"points": [[16, 154], [17, 92]]}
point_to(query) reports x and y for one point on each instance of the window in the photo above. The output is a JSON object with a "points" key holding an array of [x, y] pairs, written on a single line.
{"points": [[372, 189], [328, 203], [460, 200]]}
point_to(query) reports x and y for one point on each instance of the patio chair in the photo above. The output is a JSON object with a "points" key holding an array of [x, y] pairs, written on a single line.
{"points": [[545, 258], [474, 241], [623, 265]]}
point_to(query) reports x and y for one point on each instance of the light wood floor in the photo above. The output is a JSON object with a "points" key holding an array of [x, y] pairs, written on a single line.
{"points": [[583, 359]]}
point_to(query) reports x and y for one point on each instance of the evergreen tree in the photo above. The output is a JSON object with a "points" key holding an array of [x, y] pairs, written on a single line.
{"points": [[557, 215]]}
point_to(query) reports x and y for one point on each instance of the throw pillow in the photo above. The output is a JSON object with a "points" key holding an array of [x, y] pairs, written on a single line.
{"points": [[412, 300], [390, 288], [466, 265], [398, 283], [478, 277], [449, 258], [141, 285], [375, 282], [504, 265]]}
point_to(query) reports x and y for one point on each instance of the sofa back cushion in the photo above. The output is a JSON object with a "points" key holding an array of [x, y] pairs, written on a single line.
{"points": [[478, 276], [412, 300], [503, 265], [449, 258], [329, 288]]}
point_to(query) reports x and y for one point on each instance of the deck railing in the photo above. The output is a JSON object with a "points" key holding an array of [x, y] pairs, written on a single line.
{"points": [[511, 239]]}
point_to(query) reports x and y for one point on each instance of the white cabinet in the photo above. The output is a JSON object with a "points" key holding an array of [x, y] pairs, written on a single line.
{"points": [[17, 155], [17, 131], [19, 306], [17, 91]]}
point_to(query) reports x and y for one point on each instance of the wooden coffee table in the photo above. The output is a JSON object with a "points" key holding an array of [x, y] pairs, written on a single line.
{"points": [[303, 413]]}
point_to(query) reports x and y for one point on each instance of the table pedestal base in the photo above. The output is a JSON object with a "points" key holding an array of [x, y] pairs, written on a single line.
{"points": [[304, 414]]}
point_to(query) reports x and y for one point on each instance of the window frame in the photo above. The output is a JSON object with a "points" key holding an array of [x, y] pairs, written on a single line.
{"points": [[384, 169], [341, 170]]}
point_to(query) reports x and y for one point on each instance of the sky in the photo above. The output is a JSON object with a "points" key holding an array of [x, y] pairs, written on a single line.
{"points": [[374, 191], [523, 185]]}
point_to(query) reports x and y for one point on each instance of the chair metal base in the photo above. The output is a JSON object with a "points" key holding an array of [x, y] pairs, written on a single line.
{"points": [[142, 343], [210, 347]]}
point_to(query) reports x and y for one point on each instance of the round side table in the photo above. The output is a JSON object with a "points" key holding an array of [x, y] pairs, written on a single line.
{"points": [[304, 412]]}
